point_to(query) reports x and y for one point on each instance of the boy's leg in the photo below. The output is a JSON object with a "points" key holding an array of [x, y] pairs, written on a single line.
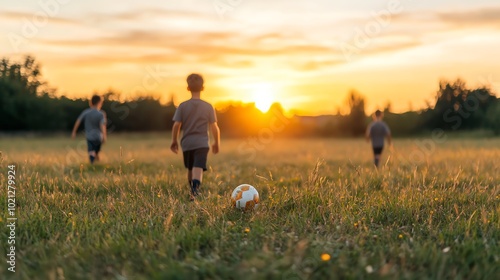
{"points": [[97, 150], [92, 156], [91, 150], [188, 163], [196, 179], [190, 176], [377, 153], [199, 165], [377, 159], [190, 182], [197, 173]]}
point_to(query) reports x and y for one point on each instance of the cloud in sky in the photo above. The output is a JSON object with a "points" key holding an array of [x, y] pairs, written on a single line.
{"points": [[294, 44], [484, 17]]}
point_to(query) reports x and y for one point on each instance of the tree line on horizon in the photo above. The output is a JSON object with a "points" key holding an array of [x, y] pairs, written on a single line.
{"points": [[27, 103]]}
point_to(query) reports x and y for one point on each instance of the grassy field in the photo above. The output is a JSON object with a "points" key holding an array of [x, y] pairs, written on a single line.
{"points": [[431, 212]]}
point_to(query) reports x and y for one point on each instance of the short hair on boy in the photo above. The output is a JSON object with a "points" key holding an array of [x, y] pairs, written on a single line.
{"points": [[378, 113], [95, 99], [195, 82]]}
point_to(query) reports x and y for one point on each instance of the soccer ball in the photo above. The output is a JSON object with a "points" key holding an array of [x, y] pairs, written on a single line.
{"points": [[245, 197]]}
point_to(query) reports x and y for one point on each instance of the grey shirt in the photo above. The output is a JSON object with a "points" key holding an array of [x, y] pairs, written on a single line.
{"points": [[195, 116], [92, 120], [377, 131]]}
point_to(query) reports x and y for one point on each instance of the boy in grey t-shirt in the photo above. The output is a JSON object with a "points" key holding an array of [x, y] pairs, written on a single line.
{"points": [[94, 121], [194, 117], [377, 131]]}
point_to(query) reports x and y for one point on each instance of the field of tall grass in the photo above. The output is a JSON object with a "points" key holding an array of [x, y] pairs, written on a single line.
{"points": [[325, 212]]}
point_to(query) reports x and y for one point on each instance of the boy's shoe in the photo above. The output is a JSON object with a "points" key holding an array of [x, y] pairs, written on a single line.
{"points": [[194, 191]]}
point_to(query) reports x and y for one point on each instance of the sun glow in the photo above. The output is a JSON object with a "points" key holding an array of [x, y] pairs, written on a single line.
{"points": [[263, 96]]}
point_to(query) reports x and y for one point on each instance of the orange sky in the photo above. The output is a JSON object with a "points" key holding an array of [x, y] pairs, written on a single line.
{"points": [[305, 55]]}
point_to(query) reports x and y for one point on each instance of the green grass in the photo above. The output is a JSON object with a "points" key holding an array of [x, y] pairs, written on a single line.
{"points": [[129, 217]]}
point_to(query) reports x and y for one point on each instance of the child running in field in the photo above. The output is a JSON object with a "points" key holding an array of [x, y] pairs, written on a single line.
{"points": [[194, 117], [94, 121], [377, 131]]}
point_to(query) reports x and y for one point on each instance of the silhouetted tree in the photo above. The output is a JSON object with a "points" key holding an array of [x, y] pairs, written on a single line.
{"points": [[28, 104], [387, 107], [355, 122], [24, 104], [458, 107], [493, 117]]}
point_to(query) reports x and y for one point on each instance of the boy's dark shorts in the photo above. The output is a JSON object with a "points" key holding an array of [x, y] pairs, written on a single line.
{"points": [[377, 150], [94, 146], [196, 158]]}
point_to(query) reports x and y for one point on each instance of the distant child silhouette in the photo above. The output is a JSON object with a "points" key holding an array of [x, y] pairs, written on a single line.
{"points": [[94, 121], [377, 131]]}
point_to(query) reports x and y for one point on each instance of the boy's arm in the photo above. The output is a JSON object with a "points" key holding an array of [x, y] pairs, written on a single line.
{"points": [[389, 135], [389, 139], [216, 133], [75, 128], [175, 135], [104, 130], [77, 123], [104, 133]]}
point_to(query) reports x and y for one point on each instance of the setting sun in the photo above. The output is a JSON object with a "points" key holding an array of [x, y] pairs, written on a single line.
{"points": [[263, 96], [306, 55]]}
